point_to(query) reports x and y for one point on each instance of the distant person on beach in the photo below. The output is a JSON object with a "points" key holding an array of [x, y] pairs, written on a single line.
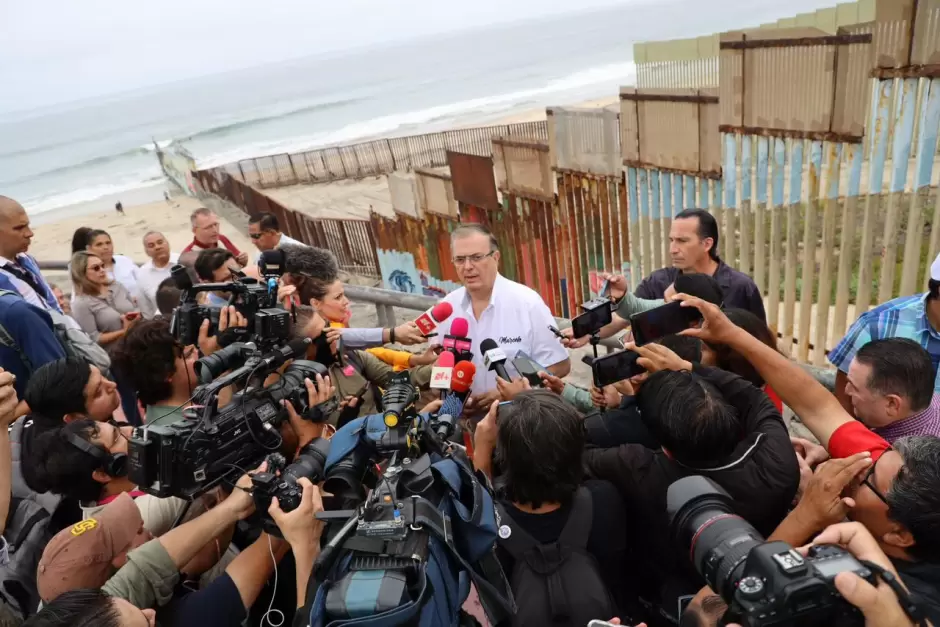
{"points": [[19, 272], [119, 207], [152, 273], [206, 235], [265, 231], [103, 307], [118, 267]]}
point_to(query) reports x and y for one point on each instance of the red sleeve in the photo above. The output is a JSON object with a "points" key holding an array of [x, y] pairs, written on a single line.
{"points": [[854, 437], [228, 244]]}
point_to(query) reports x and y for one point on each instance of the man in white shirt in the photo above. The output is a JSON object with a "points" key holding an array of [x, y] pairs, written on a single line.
{"points": [[265, 231], [152, 273], [511, 314], [18, 271]]}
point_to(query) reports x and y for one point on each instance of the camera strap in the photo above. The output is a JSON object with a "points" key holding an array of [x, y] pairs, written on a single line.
{"points": [[910, 607]]}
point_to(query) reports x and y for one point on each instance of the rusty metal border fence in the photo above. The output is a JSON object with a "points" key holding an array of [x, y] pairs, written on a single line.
{"points": [[352, 241], [373, 158]]}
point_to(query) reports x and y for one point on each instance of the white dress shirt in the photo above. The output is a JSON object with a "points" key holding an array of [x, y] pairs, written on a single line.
{"points": [[149, 279], [125, 272], [284, 240], [517, 319]]}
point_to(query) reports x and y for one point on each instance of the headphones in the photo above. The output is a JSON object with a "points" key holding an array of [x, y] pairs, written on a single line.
{"points": [[114, 464]]}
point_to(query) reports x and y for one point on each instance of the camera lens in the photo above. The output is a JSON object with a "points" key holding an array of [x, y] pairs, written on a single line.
{"points": [[293, 380], [309, 462], [702, 521], [212, 366], [344, 480]]}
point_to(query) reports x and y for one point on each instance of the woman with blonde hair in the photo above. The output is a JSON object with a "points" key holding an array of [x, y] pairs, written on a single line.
{"points": [[102, 307]]}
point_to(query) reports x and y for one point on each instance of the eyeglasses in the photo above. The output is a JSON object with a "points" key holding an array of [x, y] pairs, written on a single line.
{"points": [[255, 235], [96, 268], [871, 484], [473, 259]]}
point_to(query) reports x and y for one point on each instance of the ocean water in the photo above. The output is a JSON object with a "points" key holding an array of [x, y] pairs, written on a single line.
{"points": [[71, 154]]}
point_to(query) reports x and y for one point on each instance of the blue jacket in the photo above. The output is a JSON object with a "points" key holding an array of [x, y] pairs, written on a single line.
{"points": [[31, 329], [30, 264]]}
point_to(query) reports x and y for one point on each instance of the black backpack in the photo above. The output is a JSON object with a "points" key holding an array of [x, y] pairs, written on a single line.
{"points": [[557, 583]]}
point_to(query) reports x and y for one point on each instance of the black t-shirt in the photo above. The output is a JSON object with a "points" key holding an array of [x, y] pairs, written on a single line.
{"points": [[923, 581], [217, 605], [607, 541]]}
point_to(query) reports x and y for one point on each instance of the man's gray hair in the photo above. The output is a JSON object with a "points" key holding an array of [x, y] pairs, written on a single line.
{"points": [[466, 230], [913, 499], [200, 213], [149, 233]]}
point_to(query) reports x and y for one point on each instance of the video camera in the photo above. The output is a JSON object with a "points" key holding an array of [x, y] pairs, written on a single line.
{"points": [[763, 583], [268, 324], [380, 531], [190, 456]]}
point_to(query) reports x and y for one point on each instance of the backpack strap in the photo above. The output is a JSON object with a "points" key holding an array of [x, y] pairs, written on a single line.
{"points": [[7, 340], [518, 542], [492, 587], [578, 528]]}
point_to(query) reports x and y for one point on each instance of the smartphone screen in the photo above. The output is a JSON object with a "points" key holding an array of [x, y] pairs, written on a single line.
{"points": [[605, 289], [666, 320], [590, 322], [615, 367]]}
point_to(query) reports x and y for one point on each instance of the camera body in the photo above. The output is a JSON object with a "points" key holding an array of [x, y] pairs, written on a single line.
{"points": [[190, 456], [764, 583], [268, 324], [281, 480], [781, 587]]}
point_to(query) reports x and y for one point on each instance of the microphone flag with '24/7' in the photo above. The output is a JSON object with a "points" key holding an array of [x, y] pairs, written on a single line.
{"points": [[442, 372], [494, 358], [437, 314]]}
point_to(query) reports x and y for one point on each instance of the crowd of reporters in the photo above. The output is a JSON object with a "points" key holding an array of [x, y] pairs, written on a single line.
{"points": [[600, 460]]}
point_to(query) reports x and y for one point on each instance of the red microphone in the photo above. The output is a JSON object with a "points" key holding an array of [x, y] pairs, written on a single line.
{"points": [[457, 340], [429, 320], [442, 373], [462, 379]]}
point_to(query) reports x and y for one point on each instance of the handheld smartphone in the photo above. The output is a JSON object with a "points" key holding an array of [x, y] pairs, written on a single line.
{"points": [[615, 367], [132, 315], [528, 368], [666, 320], [605, 289], [557, 333], [597, 314], [602, 623]]}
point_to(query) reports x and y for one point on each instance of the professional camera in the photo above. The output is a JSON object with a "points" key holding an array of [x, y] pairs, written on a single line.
{"points": [[281, 482], [268, 324], [763, 583], [190, 456]]}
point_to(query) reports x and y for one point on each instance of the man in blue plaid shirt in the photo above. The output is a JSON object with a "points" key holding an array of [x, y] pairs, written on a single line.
{"points": [[913, 317]]}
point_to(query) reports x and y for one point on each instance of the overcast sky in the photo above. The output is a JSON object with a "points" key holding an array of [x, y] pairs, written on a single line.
{"points": [[63, 50]]}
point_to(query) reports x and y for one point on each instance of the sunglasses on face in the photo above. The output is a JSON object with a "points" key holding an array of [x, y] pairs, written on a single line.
{"points": [[95, 268]]}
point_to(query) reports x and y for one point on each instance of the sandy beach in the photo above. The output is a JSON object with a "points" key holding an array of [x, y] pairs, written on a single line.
{"points": [[53, 240]]}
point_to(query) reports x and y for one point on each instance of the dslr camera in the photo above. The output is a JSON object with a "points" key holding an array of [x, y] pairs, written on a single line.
{"points": [[268, 324], [280, 480], [763, 583], [190, 456]]}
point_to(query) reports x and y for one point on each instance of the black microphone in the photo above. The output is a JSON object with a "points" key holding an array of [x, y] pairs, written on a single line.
{"points": [[494, 358]]}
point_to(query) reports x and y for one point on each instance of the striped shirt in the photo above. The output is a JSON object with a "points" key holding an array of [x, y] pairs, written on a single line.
{"points": [[904, 317], [926, 422]]}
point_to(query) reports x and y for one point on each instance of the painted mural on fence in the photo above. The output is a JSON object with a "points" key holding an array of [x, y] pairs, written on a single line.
{"points": [[400, 273]]}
